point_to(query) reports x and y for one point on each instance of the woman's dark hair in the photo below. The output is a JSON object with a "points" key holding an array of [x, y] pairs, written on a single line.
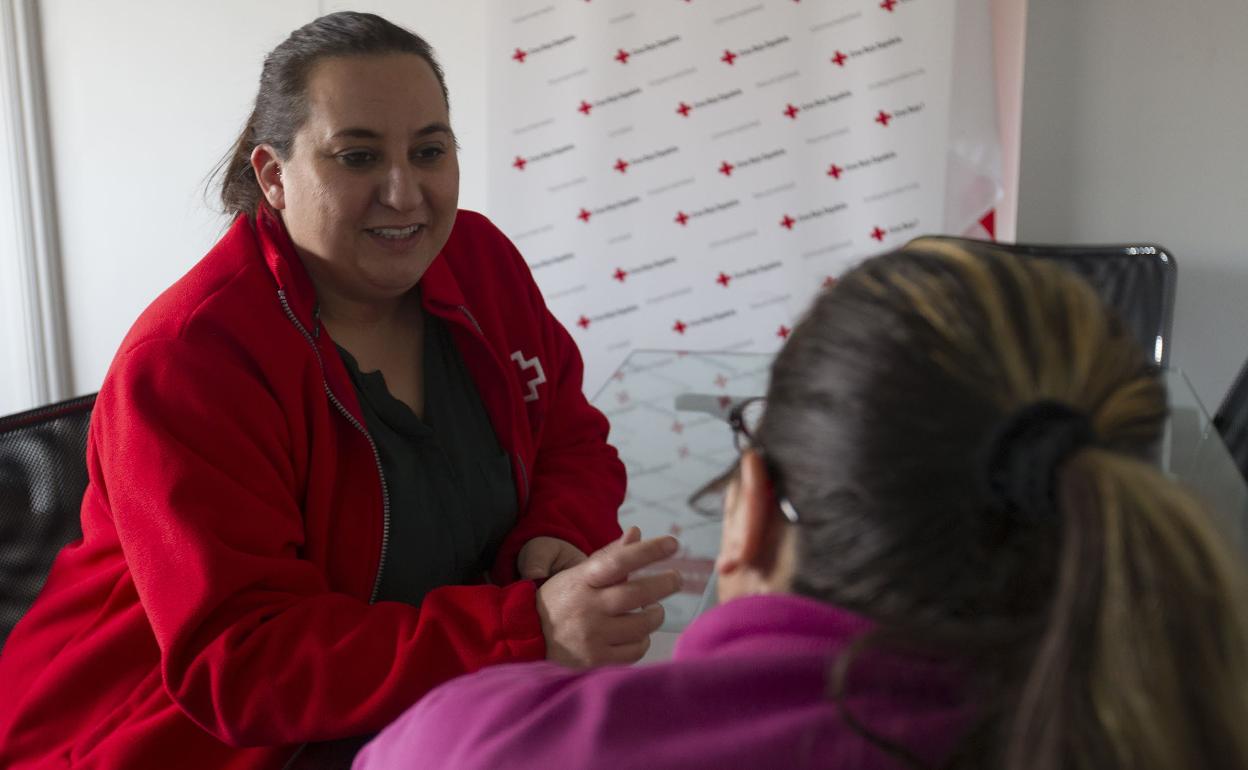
{"points": [[281, 103], [1107, 631]]}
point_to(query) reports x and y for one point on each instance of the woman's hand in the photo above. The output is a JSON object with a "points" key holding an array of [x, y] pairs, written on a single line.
{"points": [[543, 557], [593, 613]]}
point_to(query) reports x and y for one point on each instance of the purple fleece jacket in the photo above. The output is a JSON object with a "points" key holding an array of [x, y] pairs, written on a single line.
{"points": [[746, 688]]}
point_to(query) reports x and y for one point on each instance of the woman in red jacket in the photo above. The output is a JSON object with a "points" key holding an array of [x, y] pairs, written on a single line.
{"points": [[327, 464]]}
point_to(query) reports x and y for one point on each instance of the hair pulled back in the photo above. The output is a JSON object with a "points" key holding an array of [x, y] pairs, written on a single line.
{"points": [[281, 102], [1109, 632]]}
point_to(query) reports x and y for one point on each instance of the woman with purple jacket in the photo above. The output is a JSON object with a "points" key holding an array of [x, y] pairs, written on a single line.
{"points": [[945, 545]]}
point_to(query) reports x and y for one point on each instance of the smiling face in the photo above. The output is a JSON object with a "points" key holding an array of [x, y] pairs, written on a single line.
{"points": [[371, 187]]}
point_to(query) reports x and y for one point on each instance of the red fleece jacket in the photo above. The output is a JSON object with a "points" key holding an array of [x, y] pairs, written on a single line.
{"points": [[234, 521]]}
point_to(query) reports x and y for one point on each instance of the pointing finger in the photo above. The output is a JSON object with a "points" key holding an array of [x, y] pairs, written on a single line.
{"points": [[640, 592], [613, 565]]}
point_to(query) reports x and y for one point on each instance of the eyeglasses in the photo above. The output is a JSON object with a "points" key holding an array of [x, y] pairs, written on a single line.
{"points": [[744, 419]]}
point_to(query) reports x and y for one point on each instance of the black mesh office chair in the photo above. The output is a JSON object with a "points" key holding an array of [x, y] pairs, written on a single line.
{"points": [[1138, 281], [1232, 420], [43, 474]]}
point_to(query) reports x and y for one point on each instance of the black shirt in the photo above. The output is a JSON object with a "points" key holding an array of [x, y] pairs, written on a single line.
{"points": [[452, 499]]}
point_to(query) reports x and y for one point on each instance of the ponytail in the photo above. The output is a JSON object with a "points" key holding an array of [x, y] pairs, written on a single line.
{"points": [[1144, 662], [280, 107], [968, 437]]}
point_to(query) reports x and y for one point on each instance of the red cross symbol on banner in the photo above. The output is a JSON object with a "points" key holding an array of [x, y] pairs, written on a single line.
{"points": [[519, 55], [835, 171], [791, 111], [839, 59], [622, 56], [726, 168], [679, 327], [788, 222], [723, 280], [989, 222], [888, 5], [620, 274], [783, 332], [621, 165], [684, 110], [878, 234], [682, 218], [584, 215], [585, 107], [883, 118], [520, 163], [583, 322], [729, 57]]}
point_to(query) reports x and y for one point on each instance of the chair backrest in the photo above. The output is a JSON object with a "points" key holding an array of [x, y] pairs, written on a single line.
{"points": [[1232, 420], [1138, 281], [43, 475]]}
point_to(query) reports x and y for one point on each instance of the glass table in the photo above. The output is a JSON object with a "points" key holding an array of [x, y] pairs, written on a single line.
{"points": [[668, 413], [1193, 452]]}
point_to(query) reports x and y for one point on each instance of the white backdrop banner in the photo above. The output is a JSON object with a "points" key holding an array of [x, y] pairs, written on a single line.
{"points": [[687, 174]]}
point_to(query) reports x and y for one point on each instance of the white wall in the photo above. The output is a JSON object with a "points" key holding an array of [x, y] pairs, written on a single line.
{"points": [[1135, 114], [1009, 35], [145, 96], [17, 386], [16, 393]]}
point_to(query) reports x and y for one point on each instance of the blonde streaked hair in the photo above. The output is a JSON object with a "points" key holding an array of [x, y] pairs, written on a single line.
{"points": [[1111, 634]]}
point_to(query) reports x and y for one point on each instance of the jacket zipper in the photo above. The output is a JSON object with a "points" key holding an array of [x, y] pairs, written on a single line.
{"points": [[524, 473], [385, 491]]}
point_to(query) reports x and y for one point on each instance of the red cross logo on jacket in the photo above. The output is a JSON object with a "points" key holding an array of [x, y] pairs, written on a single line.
{"points": [[538, 377]]}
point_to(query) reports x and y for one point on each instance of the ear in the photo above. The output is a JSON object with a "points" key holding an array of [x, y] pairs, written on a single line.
{"points": [[268, 169], [748, 520]]}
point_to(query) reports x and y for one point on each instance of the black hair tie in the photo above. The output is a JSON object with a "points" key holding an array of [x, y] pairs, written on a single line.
{"points": [[1023, 455]]}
